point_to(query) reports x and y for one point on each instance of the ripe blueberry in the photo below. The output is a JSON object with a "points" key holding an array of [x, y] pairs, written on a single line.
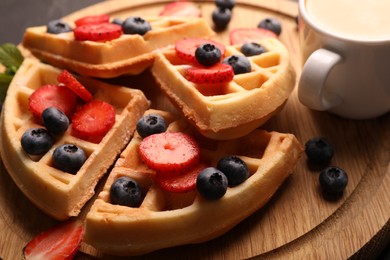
{"points": [[58, 26], [36, 141], [234, 168], [333, 180], [151, 124], [68, 158], [55, 121], [136, 25], [208, 54], [252, 48], [211, 183], [239, 63], [271, 24], [319, 151], [126, 192]]}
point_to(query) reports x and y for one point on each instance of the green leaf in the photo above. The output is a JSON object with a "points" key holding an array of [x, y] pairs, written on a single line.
{"points": [[10, 57], [5, 80]]}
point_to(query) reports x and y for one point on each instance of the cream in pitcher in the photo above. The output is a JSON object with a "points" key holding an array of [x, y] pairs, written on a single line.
{"points": [[345, 47]]}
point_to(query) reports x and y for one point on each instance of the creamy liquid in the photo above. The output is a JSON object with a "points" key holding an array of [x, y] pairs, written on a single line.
{"points": [[359, 19]]}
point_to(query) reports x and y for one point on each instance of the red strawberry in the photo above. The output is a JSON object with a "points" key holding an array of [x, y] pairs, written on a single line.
{"points": [[98, 32], [186, 48], [181, 8], [93, 120], [71, 82], [243, 35], [52, 96], [92, 19], [216, 74], [169, 153], [59, 242], [182, 182]]}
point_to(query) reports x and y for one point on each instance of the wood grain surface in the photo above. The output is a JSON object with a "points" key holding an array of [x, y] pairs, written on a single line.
{"points": [[298, 223]]}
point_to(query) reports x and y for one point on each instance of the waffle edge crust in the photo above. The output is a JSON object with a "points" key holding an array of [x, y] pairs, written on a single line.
{"points": [[167, 219], [59, 194]]}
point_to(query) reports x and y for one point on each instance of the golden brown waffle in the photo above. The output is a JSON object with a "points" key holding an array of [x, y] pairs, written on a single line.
{"points": [[129, 54], [167, 219], [57, 193], [241, 106]]}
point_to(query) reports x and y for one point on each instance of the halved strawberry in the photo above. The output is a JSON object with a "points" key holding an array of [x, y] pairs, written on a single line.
{"points": [[186, 48], [93, 120], [92, 19], [59, 242], [169, 153], [182, 182], [71, 82], [97, 32], [181, 8], [243, 35], [216, 74], [52, 96]]}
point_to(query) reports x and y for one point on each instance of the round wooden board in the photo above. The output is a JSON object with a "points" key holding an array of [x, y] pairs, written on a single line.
{"points": [[298, 223]]}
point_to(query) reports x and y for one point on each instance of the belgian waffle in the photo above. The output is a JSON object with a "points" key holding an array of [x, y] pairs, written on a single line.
{"points": [[240, 106], [129, 54], [121, 230], [57, 193]]}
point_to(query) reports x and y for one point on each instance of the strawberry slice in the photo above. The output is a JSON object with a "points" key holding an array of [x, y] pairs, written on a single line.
{"points": [[181, 8], [186, 48], [182, 182], [52, 96], [71, 82], [243, 35], [93, 120], [97, 32], [169, 153], [92, 19], [59, 242], [216, 74]]}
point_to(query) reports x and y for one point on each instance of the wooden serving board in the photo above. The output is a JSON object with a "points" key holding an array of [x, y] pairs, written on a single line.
{"points": [[298, 223]]}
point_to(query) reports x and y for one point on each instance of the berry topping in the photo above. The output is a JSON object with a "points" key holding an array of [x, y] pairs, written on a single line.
{"points": [[58, 26], [234, 168], [71, 82], [221, 18], [186, 48], [333, 180], [225, 3], [68, 158], [182, 182], [93, 120], [211, 183], [239, 63], [207, 54], [217, 74], [92, 19], [252, 49], [126, 192], [169, 153], [59, 242], [319, 151], [151, 124], [36, 141], [55, 121], [243, 35], [97, 32], [271, 24], [52, 96], [181, 8], [136, 25]]}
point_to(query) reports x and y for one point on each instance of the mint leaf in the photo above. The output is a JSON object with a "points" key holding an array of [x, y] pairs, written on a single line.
{"points": [[5, 80], [10, 57]]}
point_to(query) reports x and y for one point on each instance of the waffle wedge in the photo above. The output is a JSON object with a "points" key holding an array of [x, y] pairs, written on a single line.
{"points": [[167, 219], [129, 54], [57, 193], [232, 109]]}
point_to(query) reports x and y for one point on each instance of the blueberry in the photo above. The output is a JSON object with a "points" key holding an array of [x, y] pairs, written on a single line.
{"points": [[208, 54], [234, 168], [151, 124], [211, 183], [136, 25], [221, 18], [68, 158], [126, 192], [58, 26], [117, 21], [333, 180], [55, 121], [36, 141], [271, 24], [229, 4], [319, 151], [239, 63], [252, 48]]}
